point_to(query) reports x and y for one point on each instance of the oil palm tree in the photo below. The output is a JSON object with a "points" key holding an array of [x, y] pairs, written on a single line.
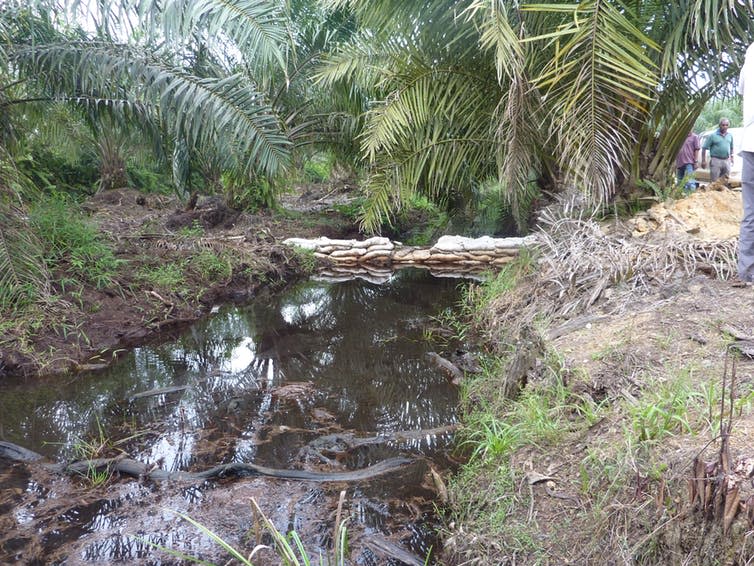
{"points": [[149, 79], [582, 97]]}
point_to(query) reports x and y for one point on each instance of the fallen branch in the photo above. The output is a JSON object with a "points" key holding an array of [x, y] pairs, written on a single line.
{"points": [[134, 468], [158, 391]]}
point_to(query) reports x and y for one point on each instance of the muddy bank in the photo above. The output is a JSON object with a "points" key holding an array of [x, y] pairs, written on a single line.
{"points": [[627, 432], [221, 256], [323, 389]]}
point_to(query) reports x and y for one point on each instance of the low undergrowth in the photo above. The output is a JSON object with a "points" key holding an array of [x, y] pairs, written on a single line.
{"points": [[588, 462], [93, 285]]}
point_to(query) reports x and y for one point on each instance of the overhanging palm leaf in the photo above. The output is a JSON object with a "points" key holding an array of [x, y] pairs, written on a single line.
{"points": [[433, 134], [257, 28], [599, 81], [521, 145], [206, 110], [23, 274], [709, 27]]}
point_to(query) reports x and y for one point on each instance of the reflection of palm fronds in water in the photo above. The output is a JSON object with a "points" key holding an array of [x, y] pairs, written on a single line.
{"points": [[362, 297], [579, 262]]}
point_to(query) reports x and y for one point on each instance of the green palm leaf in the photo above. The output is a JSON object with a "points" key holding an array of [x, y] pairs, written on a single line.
{"points": [[208, 111], [598, 82], [258, 28], [23, 272]]}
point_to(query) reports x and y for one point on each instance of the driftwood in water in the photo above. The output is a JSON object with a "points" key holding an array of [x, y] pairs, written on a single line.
{"points": [[331, 449], [393, 550], [137, 469], [454, 373], [159, 391], [18, 453]]}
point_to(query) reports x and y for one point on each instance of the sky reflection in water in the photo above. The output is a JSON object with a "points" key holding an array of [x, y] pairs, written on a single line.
{"points": [[351, 353]]}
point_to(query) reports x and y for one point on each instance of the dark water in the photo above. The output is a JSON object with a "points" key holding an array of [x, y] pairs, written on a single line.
{"points": [[269, 383]]}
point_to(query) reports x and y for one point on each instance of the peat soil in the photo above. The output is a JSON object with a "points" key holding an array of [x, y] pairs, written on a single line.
{"points": [[84, 327]]}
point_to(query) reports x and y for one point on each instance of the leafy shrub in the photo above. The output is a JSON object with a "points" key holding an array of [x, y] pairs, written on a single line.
{"points": [[53, 172], [420, 222], [318, 168], [247, 195], [149, 181]]}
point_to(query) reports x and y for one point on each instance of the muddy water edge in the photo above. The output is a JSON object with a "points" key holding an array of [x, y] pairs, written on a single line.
{"points": [[326, 377]]}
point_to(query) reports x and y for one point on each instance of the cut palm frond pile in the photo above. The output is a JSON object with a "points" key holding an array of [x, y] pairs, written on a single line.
{"points": [[580, 266]]}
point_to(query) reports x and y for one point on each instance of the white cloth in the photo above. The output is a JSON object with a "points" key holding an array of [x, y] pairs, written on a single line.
{"points": [[746, 88], [746, 234]]}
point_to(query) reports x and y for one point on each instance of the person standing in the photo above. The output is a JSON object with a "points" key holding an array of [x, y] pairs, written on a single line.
{"points": [[687, 161], [720, 146], [746, 235]]}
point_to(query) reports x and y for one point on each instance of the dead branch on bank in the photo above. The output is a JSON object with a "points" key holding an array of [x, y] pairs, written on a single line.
{"points": [[580, 265], [714, 486]]}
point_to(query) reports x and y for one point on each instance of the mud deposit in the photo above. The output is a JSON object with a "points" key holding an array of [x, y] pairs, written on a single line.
{"points": [[326, 378]]}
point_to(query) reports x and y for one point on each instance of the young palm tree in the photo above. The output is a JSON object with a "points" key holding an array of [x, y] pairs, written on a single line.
{"points": [[151, 80]]}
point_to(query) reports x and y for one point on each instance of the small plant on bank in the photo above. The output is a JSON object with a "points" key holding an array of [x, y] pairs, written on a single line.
{"points": [[196, 230], [479, 299], [661, 191], [306, 259], [665, 410], [318, 168], [211, 266], [168, 276], [70, 242]]}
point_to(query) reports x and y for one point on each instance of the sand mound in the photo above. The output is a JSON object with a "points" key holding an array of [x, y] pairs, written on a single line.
{"points": [[705, 214]]}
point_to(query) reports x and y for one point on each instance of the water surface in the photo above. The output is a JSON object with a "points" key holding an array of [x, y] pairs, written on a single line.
{"points": [[280, 382]]}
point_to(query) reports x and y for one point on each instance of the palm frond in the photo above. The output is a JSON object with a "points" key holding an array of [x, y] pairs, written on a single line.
{"points": [[498, 35], [599, 79], [23, 272], [258, 28], [378, 204], [434, 131], [709, 27], [206, 110]]}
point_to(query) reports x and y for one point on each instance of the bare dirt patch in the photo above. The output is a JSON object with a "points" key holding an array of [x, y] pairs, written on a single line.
{"points": [[713, 213]]}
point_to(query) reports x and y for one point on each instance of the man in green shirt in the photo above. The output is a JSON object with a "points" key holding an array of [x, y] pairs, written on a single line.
{"points": [[720, 147]]}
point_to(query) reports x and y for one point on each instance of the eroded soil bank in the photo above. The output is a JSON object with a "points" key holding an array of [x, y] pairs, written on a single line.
{"points": [[82, 326], [629, 441], [322, 390], [635, 332]]}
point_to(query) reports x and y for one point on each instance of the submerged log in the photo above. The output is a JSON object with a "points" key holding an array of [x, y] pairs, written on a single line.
{"points": [[18, 453], [452, 370], [134, 468], [158, 391], [393, 550]]}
